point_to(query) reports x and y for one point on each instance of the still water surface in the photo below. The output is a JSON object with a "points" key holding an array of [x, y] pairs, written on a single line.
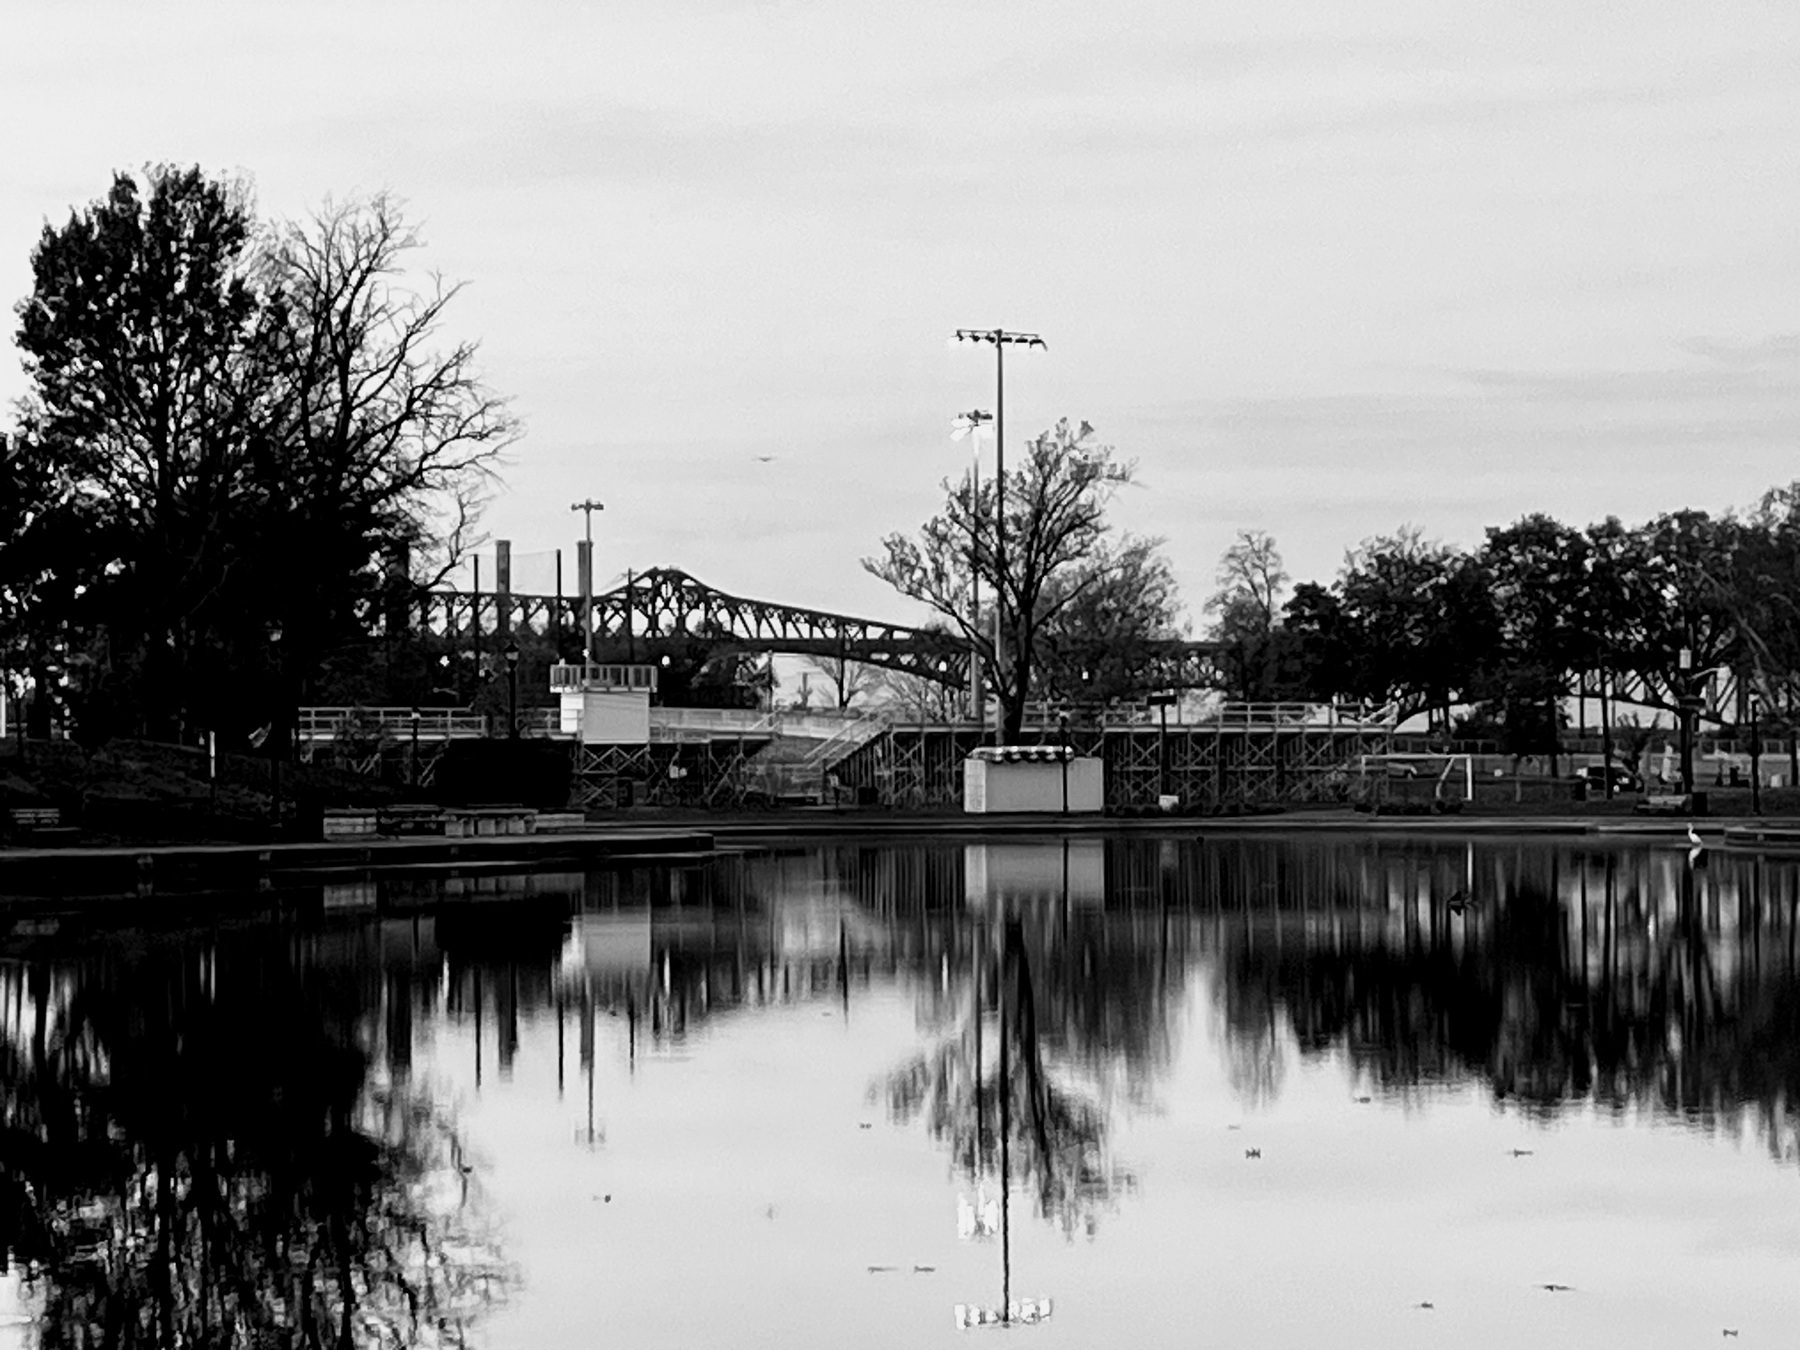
{"points": [[1234, 1092]]}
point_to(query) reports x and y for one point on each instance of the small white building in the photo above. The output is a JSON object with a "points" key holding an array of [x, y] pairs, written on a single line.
{"points": [[604, 704], [1036, 778]]}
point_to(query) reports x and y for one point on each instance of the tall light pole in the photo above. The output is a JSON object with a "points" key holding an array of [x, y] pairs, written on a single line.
{"points": [[1755, 755], [1001, 339], [512, 690], [969, 424], [585, 566], [1684, 662]]}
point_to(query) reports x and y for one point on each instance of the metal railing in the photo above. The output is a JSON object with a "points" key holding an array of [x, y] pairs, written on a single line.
{"points": [[850, 737], [573, 677], [394, 724], [1288, 713], [686, 724]]}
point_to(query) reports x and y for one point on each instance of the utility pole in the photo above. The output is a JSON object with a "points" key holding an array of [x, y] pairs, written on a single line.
{"points": [[1001, 339], [584, 567]]}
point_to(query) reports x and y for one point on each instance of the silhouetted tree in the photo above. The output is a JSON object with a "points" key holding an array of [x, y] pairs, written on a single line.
{"points": [[232, 429], [1057, 549]]}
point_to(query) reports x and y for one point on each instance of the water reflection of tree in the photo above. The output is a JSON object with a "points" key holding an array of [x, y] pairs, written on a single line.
{"points": [[1620, 979], [1003, 1101], [193, 1155]]}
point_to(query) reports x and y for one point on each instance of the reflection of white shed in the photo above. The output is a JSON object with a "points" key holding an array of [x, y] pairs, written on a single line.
{"points": [[1046, 870], [609, 944]]}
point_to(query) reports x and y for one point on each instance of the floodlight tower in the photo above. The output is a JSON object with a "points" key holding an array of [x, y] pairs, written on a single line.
{"points": [[1001, 339]]}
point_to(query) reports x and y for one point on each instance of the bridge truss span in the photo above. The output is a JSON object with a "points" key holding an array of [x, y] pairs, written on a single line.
{"points": [[665, 610]]}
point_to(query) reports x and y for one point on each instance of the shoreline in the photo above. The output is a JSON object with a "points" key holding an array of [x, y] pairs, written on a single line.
{"points": [[81, 871]]}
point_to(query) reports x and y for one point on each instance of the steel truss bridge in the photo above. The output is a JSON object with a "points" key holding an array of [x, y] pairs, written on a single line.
{"points": [[665, 611]]}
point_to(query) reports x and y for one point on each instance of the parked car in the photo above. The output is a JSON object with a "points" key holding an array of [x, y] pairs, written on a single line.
{"points": [[1623, 779]]}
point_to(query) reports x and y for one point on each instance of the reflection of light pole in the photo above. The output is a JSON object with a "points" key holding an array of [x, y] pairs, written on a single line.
{"points": [[275, 730], [969, 424], [1000, 338], [1005, 1165], [512, 689], [1062, 720], [1026, 1311]]}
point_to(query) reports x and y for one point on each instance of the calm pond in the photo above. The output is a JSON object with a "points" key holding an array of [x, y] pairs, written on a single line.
{"points": [[1238, 1091]]}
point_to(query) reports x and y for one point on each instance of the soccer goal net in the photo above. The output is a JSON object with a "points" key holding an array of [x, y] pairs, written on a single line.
{"points": [[1424, 778]]}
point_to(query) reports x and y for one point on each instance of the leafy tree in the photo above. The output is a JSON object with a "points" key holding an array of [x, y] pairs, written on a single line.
{"points": [[1096, 648], [1316, 656], [1538, 570], [1677, 579], [1057, 550], [46, 554], [144, 339], [234, 430], [1420, 622]]}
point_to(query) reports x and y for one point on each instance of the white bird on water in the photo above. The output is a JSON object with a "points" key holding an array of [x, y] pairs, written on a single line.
{"points": [[1694, 838]]}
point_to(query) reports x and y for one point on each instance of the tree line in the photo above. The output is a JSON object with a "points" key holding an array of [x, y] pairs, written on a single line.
{"points": [[247, 443], [1491, 640], [243, 442], [1487, 642]]}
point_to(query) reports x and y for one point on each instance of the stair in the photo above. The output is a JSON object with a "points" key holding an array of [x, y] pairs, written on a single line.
{"points": [[793, 768]]}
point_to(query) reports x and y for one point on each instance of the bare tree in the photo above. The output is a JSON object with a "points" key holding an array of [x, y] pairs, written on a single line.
{"points": [[847, 680], [918, 697], [1055, 508], [388, 437], [1251, 578], [1251, 573]]}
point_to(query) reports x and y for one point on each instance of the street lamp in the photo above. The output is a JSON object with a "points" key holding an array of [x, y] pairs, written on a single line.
{"points": [[969, 424], [414, 759], [1684, 662], [1755, 755], [512, 689], [587, 508], [1001, 339], [1161, 703]]}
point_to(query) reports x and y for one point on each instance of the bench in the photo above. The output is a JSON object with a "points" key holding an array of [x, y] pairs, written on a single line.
{"points": [[412, 820], [348, 824], [39, 825], [560, 822], [482, 821], [1666, 804]]}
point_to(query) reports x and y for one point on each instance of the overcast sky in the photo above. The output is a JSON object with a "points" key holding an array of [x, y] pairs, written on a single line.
{"points": [[1321, 269]]}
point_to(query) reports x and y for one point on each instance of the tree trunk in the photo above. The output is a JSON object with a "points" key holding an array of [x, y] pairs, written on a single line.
{"points": [[1012, 715], [1555, 737]]}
